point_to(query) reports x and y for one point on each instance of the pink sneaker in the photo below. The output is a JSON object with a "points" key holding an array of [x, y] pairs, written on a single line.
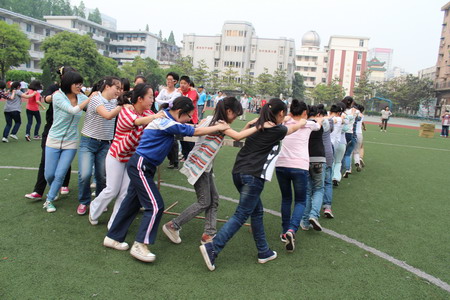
{"points": [[64, 190], [34, 196], [81, 210]]}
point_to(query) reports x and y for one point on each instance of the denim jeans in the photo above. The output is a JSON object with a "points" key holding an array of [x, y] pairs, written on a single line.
{"points": [[37, 116], [314, 195], [9, 117], [250, 205], [200, 111], [288, 177], [92, 152], [57, 162], [351, 143], [444, 131], [328, 187], [339, 152], [207, 201]]}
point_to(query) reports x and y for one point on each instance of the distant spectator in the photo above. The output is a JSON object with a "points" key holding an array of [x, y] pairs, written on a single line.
{"points": [[385, 115], [445, 124]]}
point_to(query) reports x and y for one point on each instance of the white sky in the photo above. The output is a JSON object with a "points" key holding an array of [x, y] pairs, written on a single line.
{"points": [[412, 28]]}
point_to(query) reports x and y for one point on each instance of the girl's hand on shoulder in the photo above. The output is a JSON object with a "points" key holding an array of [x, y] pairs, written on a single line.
{"points": [[160, 114], [222, 126], [251, 122], [269, 124], [302, 122], [286, 118], [128, 106]]}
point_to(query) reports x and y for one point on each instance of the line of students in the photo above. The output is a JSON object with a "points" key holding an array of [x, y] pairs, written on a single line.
{"points": [[142, 140]]}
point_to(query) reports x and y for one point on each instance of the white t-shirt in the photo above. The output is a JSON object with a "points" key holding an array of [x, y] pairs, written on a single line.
{"points": [[165, 97], [244, 102], [359, 124]]}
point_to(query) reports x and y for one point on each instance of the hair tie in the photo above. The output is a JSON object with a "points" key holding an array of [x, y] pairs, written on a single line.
{"points": [[270, 105], [170, 104]]}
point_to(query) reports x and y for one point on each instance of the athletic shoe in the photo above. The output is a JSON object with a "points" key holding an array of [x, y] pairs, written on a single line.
{"points": [[328, 213], [362, 163], [346, 174], [28, 138], [335, 182], [283, 238], [49, 206], [206, 238], [37, 137], [34, 196], [93, 194], [64, 190], [81, 209], [358, 167], [209, 255], [174, 166], [141, 252], [315, 224], [92, 221], [13, 136], [304, 227], [290, 241], [5, 140], [266, 256], [172, 233], [110, 243], [93, 185]]}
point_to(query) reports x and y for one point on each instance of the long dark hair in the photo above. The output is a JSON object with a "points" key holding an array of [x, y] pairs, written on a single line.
{"points": [[126, 94], [220, 112], [298, 107], [139, 90], [184, 104], [269, 112]]}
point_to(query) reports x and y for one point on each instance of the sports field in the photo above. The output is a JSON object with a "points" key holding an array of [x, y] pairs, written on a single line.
{"points": [[398, 205]]}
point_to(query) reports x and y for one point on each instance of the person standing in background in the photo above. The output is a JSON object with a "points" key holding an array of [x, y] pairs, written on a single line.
{"points": [[445, 123], [244, 103], [201, 104], [385, 115]]}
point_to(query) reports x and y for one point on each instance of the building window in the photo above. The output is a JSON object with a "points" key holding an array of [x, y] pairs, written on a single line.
{"points": [[358, 68], [47, 32], [142, 38], [74, 24], [216, 63], [28, 64], [280, 66], [191, 46], [252, 65], [357, 79], [253, 49], [2, 18], [361, 43], [217, 46], [281, 50], [297, 68], [142, 51], [324, 80], [359, 55], [28, 30], [313, 69], [324, 70], [227, 48], [291, 52]]}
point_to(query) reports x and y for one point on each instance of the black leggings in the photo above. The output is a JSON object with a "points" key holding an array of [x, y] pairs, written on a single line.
{"points": [[384, 123]]}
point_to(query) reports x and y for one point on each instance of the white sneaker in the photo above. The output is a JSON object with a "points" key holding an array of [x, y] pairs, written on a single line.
{"points": [[5, 140], [93, 185], [92, 221], [13, 136], [141, 252], [110, 243], [172, 233], [49, 206]]}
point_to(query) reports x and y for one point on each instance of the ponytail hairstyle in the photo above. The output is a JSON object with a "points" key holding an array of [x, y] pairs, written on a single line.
{"points": [[35, 85], [322, 109], [108, 81], [335, 109], [126, 95], [342, 106], [139, 90], [313, 111], [15, 85], [64, 69], [269, 112], [220, 113], [360, 107], [348, 101], [298, 107], [184, 104]]}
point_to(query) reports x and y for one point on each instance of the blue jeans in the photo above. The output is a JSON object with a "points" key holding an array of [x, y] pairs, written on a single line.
{"points": [[328, 187], [315, 191], [299, 179], [200, 111], [57, 162], [37, 116], [9, 117], [92, 152], [250, 205], [351, 143], [444, 131]]}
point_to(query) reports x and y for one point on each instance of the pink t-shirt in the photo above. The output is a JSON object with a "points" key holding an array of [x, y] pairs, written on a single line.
{"points": [[294, 148], [32, 102]]}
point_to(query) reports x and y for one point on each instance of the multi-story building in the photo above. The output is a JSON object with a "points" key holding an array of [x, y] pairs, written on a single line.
{"points": [[383, 55], [377, 71], [239, 48], [347, 60], [427, 73], [310, 61], [123, 46], [442, 79]]}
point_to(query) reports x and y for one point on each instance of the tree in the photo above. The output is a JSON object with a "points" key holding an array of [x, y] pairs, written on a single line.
{"points": [[95, 17], [160, 35], [147, 28], [14, 46], [78, 51], [184, 66], [298, 87], [81, 10], [280, 83], [228, 80], [147, 67], [328, 93], [364, 90], [214, 80], [171, 39], [248, 83], [200, 73], [264, 84]]}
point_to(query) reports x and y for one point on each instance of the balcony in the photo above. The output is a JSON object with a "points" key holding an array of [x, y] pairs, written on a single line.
{"points": [[128, 43], [36, 54], [35, 36], [442, 86]]}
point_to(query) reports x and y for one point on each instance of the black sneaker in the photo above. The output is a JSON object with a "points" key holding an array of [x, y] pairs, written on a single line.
{"points": [[266, 256], [358, 167], [290, 241], [335, 182], [209, 255], [362, 163], [172, 166]]}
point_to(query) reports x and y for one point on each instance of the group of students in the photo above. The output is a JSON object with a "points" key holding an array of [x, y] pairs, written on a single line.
{"points": [[125, 141]]}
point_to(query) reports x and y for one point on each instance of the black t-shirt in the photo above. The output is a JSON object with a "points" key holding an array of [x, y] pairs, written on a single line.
{"points": [[258, 156], [49, 114]]}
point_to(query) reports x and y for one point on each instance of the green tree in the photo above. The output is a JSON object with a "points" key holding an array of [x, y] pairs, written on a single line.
{"points": [[78, 51], [298, 87], [200, 73], [184, 66], [171, 39], [160, 35], [147, 28], [81, 10], [248, 83], [364, 90], [95, 16], [328, 93], [147, 67], [14, 46], [228, 79], [280, 84], [214, 80], [264, 84]]}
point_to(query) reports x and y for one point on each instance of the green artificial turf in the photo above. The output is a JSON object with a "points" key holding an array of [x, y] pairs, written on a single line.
{"points": [[398, 204]]}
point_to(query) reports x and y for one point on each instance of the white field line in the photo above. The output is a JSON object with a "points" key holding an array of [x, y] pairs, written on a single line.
{"points": [[434, 280], [407, 146]]}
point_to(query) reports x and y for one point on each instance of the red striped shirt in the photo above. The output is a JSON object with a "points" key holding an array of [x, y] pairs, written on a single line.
{"points": [[127, 135]]}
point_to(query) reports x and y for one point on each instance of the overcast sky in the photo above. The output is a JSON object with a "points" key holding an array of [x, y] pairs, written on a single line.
{"points": [[412, 28]]}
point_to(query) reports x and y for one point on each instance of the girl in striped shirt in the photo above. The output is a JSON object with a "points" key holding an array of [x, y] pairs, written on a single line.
{"points": [[198, 168], [130, 125]]}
